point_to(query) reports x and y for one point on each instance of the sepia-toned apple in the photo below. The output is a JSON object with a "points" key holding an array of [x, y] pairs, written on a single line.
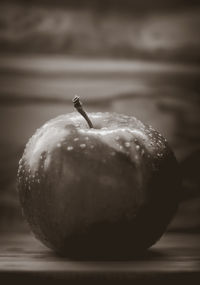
{"points": [[98, 185]]}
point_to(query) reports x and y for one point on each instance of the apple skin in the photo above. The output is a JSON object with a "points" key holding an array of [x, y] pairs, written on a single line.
{"points": [[110, 190]]}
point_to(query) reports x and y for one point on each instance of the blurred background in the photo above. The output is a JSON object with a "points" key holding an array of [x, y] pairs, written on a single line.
{"points": [[135, 57]]}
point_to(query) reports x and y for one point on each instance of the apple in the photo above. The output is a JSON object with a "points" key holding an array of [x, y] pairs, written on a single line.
{"points": [[102, 184]]}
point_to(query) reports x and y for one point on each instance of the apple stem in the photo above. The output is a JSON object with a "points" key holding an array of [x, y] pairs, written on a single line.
{"points": [[79, 108]]}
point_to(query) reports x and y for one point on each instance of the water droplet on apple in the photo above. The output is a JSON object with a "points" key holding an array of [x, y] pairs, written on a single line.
{"points": [[137, 147], [127, 144], [69, 148], [159, 154], [58, 144], [92, 146], [142, 152], [82, 145], [76, 139], [86, 138], [117, 138]]}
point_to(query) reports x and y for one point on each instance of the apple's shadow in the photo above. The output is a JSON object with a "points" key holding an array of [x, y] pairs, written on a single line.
{"points": [[148, 255]]}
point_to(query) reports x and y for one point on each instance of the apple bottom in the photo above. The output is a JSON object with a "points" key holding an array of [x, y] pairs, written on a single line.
{"points": [[117, 240]]}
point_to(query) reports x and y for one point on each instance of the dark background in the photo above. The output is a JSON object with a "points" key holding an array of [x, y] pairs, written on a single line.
{"points": [[154, 29], [134, 57]]}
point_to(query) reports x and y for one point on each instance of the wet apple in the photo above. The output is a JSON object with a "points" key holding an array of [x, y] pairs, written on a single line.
{"points": [[102, 184]]}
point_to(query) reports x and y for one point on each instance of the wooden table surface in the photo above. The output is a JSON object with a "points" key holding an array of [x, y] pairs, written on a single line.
{"points": [[175, 258]]}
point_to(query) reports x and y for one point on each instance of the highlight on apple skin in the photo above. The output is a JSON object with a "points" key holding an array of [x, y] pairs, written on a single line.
{"points": [[108, 190]]}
